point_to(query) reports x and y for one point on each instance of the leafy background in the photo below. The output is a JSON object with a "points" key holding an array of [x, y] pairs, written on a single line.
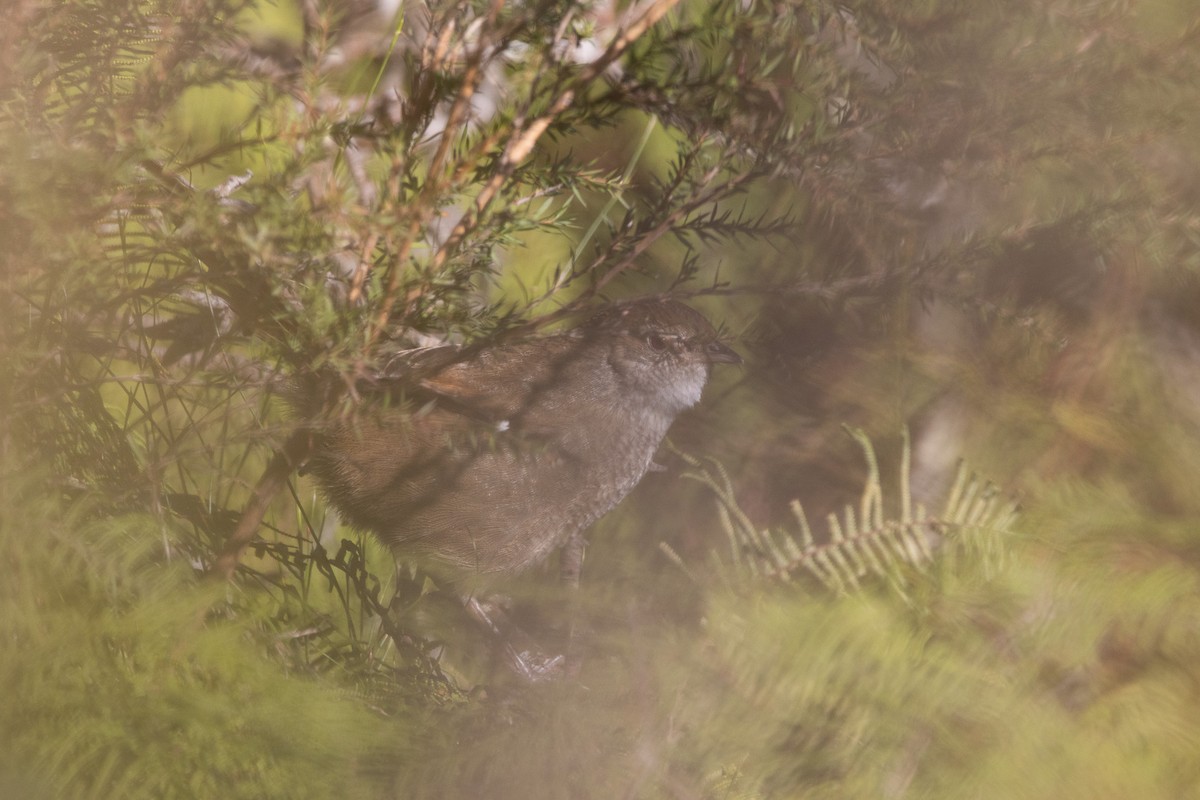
{"points": [[974, 221]]}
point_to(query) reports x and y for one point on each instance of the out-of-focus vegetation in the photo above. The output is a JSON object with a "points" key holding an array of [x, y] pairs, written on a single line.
{"points": [[977, 221]]}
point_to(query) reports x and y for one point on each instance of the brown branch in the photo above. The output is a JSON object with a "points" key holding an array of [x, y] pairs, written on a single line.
{"points": [[433, 184], [644, 18], [525, 136], [274, 478], [363, 268]]}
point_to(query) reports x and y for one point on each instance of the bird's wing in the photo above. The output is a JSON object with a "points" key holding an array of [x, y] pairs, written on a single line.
{"points": [[497, 385]]}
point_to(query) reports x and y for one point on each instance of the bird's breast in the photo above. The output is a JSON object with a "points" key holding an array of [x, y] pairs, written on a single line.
{"points": [[614, 455]]}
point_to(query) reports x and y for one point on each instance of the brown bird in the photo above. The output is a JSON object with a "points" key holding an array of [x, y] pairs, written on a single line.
{"points": [[480, 462]]}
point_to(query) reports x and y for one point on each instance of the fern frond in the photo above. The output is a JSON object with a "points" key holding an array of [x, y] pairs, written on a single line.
{"points": [[863, 541]]}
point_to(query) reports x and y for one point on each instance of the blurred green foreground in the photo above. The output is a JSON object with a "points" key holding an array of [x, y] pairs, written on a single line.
{"points": [[975, 222]]}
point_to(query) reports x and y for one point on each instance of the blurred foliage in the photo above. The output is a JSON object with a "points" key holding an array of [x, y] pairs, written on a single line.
{"points": [[127, 676], [979, 221]]}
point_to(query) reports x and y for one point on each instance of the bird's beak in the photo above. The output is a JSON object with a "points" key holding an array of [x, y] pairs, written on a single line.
{"points": [[719, 353]]}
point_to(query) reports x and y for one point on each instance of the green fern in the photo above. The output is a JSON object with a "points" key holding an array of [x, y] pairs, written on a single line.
{"points": [[864, 541]]}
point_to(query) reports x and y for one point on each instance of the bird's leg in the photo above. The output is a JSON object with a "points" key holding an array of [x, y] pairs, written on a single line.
{"points": [[570, 568], [520, 652], [571, 564]]}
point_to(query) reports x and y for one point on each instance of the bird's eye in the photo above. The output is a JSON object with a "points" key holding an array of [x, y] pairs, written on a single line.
{"points": [[656, 342]]}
